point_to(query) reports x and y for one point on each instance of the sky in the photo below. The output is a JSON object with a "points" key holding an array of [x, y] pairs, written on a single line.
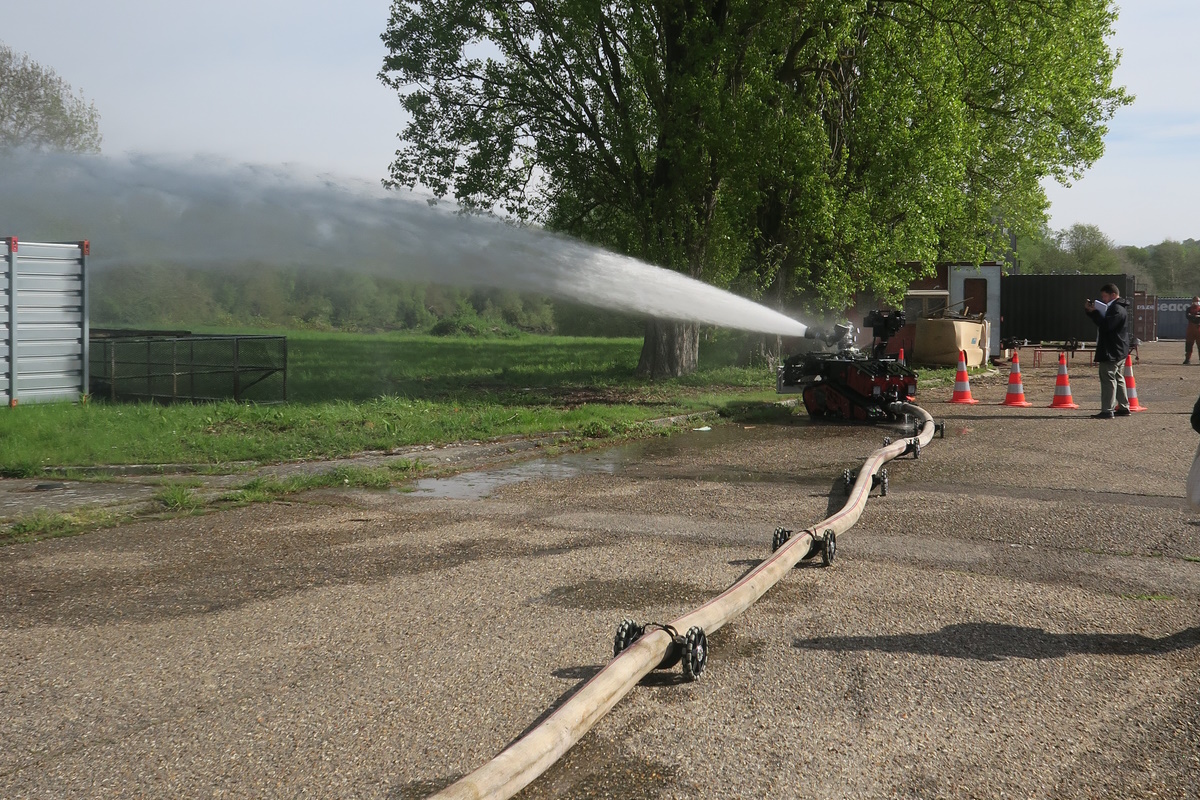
{"points": [[293, 82]]}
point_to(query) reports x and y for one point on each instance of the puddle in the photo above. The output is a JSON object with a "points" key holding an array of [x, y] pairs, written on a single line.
{"points": [[479, 484]]}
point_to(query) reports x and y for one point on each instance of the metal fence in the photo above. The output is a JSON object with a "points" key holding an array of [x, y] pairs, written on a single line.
{"points": [[184, 367]]}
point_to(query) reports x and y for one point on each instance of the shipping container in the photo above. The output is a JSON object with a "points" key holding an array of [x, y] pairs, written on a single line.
{"points": [[1049, 308], [1172, 317], [43, 321], [1145, 326]]}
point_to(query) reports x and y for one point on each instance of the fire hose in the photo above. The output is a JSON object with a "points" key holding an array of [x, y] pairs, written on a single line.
{"points": [[641, 650]]}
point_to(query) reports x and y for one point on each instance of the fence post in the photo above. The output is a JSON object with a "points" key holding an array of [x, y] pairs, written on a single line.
{"points": [[12, 320], [237, 374]]}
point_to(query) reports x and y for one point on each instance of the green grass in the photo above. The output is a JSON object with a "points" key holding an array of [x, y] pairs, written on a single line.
{"points": [[44, 524], [268, 489], [351, 393], [177, 497]]}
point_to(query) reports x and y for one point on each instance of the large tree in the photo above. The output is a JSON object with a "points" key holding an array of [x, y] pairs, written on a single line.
{"points": [[802, 148], [40, 110]]}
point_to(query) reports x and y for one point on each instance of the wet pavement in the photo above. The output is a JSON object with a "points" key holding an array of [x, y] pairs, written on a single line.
{"points": [[1019, 617]]}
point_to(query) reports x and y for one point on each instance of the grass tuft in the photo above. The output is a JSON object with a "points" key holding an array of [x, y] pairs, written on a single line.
{"points": [[44, 524], [177, 497]]}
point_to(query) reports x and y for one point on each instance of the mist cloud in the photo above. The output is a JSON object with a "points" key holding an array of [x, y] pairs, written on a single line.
{"points": [[206, 212]]}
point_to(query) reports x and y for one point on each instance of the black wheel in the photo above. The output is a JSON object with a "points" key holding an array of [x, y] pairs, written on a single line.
{"points": [[848, 480], [887, 440], [695, 653], [916, 448], [940, 429], [829, 548], [628, 632], [780, 538], [883, 483]]}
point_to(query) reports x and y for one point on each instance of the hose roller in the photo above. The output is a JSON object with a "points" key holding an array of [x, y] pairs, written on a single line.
{"points": [[644, 648]]}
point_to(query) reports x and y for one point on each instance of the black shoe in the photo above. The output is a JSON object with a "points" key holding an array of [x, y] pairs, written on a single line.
{"points": [[1103, 415], [1122, 412], [1187, 361]]}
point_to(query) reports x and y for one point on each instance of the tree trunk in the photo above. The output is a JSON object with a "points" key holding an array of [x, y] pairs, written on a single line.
{"points": [[761, 350], [670, 349]]}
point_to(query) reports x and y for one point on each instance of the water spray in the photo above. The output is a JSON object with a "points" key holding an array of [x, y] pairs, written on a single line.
{"points": [[142, 210]]}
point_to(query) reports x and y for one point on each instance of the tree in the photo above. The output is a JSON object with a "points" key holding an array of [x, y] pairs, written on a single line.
{"points": [[1093, 250], [40, 110], [813, 148]]}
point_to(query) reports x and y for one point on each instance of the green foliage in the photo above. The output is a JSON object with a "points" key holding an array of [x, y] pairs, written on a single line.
{"points": [[40, 111], [1169, 268], [466, 321], [1173, 268], [815, 149], [258, 295], [1077, 249], [596, 429]]}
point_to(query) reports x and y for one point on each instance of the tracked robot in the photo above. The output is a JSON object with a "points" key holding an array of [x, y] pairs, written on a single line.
{"points": [[842, 382]]}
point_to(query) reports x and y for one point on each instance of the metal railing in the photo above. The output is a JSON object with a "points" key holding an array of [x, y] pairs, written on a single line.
{"points": [[173, 366]]}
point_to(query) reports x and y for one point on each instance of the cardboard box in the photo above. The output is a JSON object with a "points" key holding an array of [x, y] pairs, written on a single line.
{"points": [[939, 341]]}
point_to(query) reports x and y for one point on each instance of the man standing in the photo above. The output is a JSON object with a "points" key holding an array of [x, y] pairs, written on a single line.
{"points": [[1193, 328], [1110, 314]]}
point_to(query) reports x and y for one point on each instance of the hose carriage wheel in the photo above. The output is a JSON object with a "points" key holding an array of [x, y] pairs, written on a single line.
{"points": [[628, 632], [881, 480], [695, 653], [780, 538], [828, 547], [691, 649]]}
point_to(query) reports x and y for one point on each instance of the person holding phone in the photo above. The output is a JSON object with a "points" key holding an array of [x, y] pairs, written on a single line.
{"points": [[1111, 315]]}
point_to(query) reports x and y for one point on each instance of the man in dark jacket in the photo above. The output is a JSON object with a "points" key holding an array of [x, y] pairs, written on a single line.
{"points": [[1111, 315]]}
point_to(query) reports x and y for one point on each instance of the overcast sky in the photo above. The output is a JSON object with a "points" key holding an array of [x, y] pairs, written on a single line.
{"points": [[293, 81]]}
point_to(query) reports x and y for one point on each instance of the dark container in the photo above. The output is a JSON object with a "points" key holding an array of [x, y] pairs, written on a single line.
{"points": [[1049, 308]]}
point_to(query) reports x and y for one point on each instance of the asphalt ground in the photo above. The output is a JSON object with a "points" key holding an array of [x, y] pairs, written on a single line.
{"points": [[1018, 617]]}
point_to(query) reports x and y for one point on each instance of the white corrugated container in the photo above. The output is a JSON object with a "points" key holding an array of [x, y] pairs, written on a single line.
{"points": [[43, 321]]}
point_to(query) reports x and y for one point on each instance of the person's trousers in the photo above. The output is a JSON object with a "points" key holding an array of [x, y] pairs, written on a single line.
{"points": [[1193, 336], [1112, 385]]}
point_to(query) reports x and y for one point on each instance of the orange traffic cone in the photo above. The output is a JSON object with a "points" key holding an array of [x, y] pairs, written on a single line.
{"points": [[1016, 389], [962, 382], [900, 358], [1131, 386], [1062, 386]]}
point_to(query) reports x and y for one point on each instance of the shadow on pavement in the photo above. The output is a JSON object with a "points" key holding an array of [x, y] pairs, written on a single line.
{"points": [[986, 641]]}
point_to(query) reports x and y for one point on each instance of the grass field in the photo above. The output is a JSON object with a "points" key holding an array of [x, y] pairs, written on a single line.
{"points": [[351, 393]]}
